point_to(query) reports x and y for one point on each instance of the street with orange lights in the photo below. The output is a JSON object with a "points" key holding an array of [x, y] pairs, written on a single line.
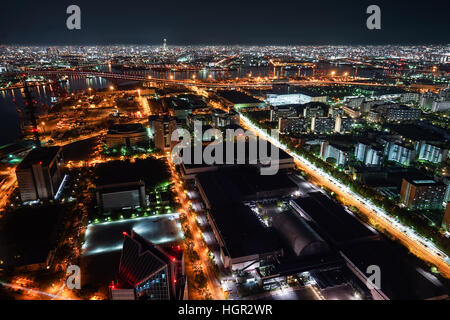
{"points": [[213, 287]]}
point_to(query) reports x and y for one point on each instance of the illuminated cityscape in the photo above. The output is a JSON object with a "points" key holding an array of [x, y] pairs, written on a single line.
{"points": [[232, 158], [89, 178]]}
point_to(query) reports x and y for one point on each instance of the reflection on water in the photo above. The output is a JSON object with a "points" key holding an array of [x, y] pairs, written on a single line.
{"points": [[11, 100]]}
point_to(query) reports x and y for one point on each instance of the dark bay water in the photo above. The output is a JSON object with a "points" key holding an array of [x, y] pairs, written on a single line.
{"points": [[12, 100]]}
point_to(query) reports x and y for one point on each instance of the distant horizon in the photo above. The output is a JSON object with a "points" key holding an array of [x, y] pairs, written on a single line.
{"points": [[218, 44]]}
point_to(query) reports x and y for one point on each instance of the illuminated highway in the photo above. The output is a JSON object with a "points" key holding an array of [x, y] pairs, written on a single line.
{"points": [[417, 244]]}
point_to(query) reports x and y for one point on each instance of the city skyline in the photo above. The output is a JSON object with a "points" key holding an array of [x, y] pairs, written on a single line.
{"points": [[226, 172]]}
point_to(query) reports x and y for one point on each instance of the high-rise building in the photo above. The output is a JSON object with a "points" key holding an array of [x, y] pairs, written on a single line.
{"points": [[393, 112], [343, 124], [322, 124], [277, 112], [293, 125], [337, 153], [422, 194], [148, 271], [162, 128], [399, 153], [40, 175], [409, 97], [314, 111], [432, 152], [368, 154], [438, 106]]}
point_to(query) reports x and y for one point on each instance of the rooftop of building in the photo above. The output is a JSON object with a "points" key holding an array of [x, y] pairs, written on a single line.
{"points": [[331, 220], [292, 89], [237, 97], [242, 232], [423, 182], [401, 279], [126, 128], [282, 155], [43, 156], [161, 117], [233, 185], [303, 240]]}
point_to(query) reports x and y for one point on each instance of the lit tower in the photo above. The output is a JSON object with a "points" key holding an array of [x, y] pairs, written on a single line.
{"points": [[165, 44]]}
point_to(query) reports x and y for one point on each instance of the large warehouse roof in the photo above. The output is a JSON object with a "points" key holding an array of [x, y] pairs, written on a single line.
{"points": [[303, 240]]}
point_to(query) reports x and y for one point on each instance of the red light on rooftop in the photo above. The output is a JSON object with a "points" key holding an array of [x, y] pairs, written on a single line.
{"points": [[174, 280], [124, 233], [173, 259]]}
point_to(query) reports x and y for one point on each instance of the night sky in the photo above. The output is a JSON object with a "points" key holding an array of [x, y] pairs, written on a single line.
{"points": [[242, 22]]}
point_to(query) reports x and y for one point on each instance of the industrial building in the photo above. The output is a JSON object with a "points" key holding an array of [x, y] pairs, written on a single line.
{"points": [[361, 247], [244, 240], [237, 99]]}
